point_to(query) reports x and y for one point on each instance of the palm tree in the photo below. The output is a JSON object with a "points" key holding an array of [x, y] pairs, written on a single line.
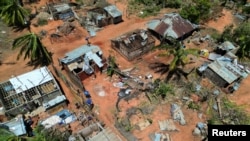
{"points": [[3, 3], [32, 47], [112, 66], [176, 66], [14, 14]]}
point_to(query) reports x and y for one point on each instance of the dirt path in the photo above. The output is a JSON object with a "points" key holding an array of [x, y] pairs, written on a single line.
{"points": [[223, 21]]}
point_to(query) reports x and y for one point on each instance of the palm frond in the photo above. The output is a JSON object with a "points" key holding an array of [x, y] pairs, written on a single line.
{"points": [[31, 47], [14, 14]]}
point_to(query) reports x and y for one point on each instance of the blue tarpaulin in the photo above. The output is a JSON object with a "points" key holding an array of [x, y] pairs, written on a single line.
{"points": [[86, 93], [89, 101]]}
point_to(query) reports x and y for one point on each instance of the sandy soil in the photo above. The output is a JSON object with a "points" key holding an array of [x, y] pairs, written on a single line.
{"points": [[220, 23], [105, 105]]}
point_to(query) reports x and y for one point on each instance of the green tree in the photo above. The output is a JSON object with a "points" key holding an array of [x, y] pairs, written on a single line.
{"points": [[6, 135], [196, 11], [163, 89], [3, 3], [172, 3], [241, 37], [112, 66], [246, 9], [50, 134], [191, 13], [32, 48], [176, 66], [226, 34], [14, 14]]}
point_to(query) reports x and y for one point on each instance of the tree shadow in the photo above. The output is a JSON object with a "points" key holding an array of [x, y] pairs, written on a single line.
{"points": [[20, 28], [40, 62]]}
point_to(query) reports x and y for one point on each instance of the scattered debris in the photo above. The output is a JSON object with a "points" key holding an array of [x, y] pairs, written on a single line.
{"points": [[167, 125], [177, 114], [143, 124], [124, 92], [118, 85], [216, 92], [196, 132], [66, 28], [200, 130], [160, 137]]}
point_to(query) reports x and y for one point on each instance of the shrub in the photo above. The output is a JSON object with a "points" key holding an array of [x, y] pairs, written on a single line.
{"points": [[42, 22]]}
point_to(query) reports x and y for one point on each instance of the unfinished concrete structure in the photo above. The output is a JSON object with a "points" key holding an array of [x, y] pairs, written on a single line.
{"points": [[133, 44], [82, 62], [104, 16], [171, 26], [26, 92]]}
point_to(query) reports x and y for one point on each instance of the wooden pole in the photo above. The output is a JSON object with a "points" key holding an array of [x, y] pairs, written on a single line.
{"points": [[219, 107]]}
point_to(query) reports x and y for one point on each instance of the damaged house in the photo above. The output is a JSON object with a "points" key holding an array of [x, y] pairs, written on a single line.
{"points": [[104, 16], [61, 11], [82, 62], [171, 26], [226, 49], [26, 92], [133, 44], [224, 71]]}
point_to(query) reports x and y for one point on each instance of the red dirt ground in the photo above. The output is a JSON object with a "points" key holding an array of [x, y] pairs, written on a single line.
{"points": [[223, 21], [105, 106]]}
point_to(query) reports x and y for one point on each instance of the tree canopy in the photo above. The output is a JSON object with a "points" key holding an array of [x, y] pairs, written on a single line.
{"points": [[32, 47], [196, 11], [13, 14], [241, 36]]}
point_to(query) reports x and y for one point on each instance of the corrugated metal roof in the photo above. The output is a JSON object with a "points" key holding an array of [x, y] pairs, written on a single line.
{"points": [[113, 11], [227, 46], [213, 56], [172, 25], [78, 52], [153, 24], [226, 70], [161, 28], [16, 126], [31, 79], [61, 7]]}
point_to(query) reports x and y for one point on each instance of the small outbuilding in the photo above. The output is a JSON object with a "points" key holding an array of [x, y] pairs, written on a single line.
{"points": [[104, 16]]}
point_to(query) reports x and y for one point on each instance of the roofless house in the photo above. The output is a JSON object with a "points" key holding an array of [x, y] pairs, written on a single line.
{"points": [[133, 44], [26, 92]]}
